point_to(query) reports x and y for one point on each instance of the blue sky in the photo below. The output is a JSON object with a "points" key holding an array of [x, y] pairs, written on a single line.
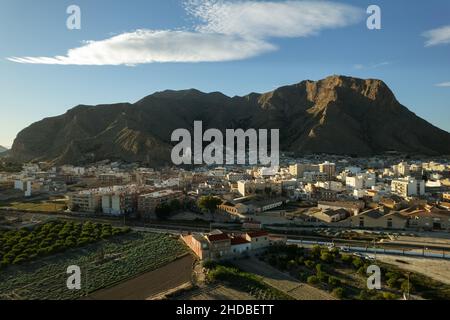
{"points": [[141, 46]]}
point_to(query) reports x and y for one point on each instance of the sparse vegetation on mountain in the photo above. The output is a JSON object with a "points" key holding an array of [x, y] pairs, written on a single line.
{"points": [[337, 115]]}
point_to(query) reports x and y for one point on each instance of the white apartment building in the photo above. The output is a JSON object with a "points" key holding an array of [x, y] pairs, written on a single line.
{"points": [[362, 181], [401, 169], [116, 200], [328, 168], [297, 170], [330, 185], [262, 187], [313, 177], [408, 187]]}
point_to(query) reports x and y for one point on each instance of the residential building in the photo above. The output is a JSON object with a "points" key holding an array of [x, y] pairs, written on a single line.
{"points": [[147, 203], [402, 169], [260, 187], [376, 219], [329, 169], [314, 177], [234, 177], [361, 181], [258, 239], [218, 245], [240, 245], [408, 187], [446, 196], [88, 201], [353, 207], [297, 170], [236, 209], [330, 216], [198, 244], [432, 219]]}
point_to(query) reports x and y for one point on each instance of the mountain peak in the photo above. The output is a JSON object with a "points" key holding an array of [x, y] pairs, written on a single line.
{"points": [[338, 115]]}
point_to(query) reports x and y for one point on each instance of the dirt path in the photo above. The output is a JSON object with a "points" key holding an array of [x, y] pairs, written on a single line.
{"points": [[151, 283], [216, 292], [435, 269], [282, 281]]}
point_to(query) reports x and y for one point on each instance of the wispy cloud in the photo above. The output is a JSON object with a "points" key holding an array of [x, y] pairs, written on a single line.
{"points": [[437, 36], [147, 46], [443, 85], [271, 19], [371, 66], [223, 31]]}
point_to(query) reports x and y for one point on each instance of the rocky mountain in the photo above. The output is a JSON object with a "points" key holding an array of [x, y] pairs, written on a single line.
{"points": [[3, 149], [336, 115]]}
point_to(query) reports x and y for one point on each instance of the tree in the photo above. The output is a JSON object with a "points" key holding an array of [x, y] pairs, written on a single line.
{"points": [[333, 281], [316, 251], [406, 287], [346, 258], [338, 293], [292, 264], [326, 257], [313, 280], [322, 276], [357, 262], [209, 203], [310, 264]]}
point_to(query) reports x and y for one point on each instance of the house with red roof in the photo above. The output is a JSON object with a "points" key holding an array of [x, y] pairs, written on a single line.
{"points": [[218, 245]]}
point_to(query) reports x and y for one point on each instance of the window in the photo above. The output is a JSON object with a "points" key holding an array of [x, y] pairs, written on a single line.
{"points": [[389, 223]]}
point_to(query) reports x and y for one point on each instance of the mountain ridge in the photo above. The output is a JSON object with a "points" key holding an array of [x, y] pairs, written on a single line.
{"points": [[335, 115]]}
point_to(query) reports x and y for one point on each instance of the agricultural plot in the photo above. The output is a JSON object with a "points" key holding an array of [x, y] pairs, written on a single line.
{"points": [[102, 264], [242, 281], [345, 275], [20, 246], [38, 206]]}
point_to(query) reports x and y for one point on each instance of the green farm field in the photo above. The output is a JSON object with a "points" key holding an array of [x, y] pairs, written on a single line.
{"points": [[103, 264]]}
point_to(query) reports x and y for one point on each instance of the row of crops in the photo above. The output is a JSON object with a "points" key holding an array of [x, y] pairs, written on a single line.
{"points": [[102, 264], [20, 246]]}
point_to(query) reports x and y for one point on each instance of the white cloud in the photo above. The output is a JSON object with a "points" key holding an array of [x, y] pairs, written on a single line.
{"points": [[147, 46], [437, 36], [272, 19], [443, 85], [225, 31]]}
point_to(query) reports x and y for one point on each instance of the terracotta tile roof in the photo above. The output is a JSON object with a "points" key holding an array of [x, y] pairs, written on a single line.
{"points": [[218, 237], [256, 234], [238, 240]]}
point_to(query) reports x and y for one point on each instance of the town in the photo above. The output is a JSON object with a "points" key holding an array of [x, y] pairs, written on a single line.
{"points": [[384, 193]]}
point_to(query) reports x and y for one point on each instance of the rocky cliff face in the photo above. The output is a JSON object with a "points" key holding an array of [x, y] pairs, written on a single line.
{"points": [[337, 115]]}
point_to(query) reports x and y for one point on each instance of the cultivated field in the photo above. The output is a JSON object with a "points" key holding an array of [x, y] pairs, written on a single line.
{"points": [[282, 281], [150, 284], [436, 269], [102, 264], [215, 292]]}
